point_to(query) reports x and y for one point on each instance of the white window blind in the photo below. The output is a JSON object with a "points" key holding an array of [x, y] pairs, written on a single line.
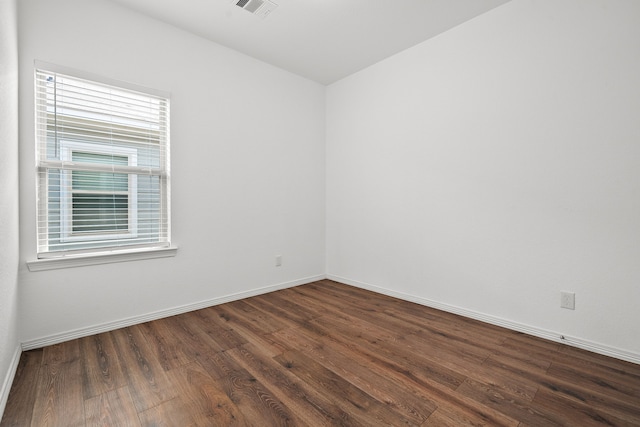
{"points": [[102, 166]]}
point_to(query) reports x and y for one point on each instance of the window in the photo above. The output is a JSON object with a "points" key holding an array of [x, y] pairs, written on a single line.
{"points": [[103, 167], [98, 204]]}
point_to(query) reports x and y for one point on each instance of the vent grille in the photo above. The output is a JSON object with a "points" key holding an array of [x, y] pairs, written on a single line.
{"points": [[253, 5], [257, 7]]}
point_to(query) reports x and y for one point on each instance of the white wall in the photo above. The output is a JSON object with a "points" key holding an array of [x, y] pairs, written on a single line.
{"points": [[247, 143], [9, 345], [495, 165]]}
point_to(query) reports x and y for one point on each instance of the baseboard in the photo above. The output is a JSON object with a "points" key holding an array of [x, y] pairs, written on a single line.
{"points": [[8, 379], [515, 326], [110, 326]]}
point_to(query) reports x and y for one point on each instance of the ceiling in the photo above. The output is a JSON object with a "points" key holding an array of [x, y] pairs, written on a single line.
{"points": [[323, 40]]}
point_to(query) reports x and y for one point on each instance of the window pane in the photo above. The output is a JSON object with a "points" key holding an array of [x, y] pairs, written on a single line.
{"points": [[100, 181], [100, 213], [107, 159]]}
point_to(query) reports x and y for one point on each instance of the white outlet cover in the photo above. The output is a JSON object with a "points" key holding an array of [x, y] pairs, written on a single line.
{"points": [[568, 300]]}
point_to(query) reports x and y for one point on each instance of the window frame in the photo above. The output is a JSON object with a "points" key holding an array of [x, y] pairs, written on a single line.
{"points": [[155, 242], [66, 192]]}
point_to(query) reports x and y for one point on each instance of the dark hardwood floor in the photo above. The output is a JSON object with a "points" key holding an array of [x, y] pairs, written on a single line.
{"points": [[315, 355]]}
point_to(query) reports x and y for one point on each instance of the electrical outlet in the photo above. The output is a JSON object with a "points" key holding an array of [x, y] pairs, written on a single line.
{"points": [[568, 300], [278, 260]]}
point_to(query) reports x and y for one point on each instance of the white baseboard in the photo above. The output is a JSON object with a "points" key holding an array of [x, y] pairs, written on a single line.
{"points": [[8, 379], [110, 326], [515, 326]]}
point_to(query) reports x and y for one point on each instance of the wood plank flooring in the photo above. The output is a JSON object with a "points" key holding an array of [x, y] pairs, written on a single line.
{"points": [[322, 354]]}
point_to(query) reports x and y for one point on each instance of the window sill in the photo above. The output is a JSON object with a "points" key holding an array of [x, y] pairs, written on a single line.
{"points": [[100, 258]]}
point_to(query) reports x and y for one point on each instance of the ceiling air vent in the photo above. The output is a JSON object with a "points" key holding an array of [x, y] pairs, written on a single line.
{"points": [[257, 7]]}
